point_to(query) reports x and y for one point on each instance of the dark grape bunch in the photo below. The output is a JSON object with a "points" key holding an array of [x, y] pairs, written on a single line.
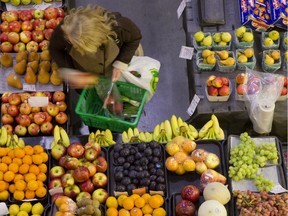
{"points": [[138, 165], [261, 204]]}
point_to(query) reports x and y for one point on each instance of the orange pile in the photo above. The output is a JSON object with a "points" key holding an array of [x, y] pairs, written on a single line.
{"points": [[135, 205], [23, 172]]}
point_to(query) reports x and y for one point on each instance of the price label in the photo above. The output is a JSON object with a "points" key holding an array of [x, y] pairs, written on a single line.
{"points": [[191, 109], [3, 209], [56, 190], [186, 52], [28, 87], [181, 8], [37, 101]]}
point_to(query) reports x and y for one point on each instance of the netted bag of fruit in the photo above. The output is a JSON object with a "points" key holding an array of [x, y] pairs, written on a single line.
{"points": [[65, 205]]}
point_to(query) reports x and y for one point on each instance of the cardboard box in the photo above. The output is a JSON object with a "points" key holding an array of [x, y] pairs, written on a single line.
{"points": [[279, 13]]}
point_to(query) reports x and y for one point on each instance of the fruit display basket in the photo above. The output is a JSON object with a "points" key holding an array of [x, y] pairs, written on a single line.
{"points": [[226, 68], [275, 44], [221, 47], [90, 104], [198, 46], [218, 98], [249, 64], [201, 65], [273, 67], [243, 44]]}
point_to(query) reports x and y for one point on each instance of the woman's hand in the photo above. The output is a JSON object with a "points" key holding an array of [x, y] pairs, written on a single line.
{"points": [[116, 74]]}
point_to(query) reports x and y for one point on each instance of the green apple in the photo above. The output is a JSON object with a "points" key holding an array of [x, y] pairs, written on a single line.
{"points": [[199, 36], [274, 35], [25, 2], [15, 2]]}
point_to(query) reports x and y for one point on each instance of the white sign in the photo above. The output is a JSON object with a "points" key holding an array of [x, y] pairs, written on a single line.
{"points": [[28, 87], [38, 101], [186, 52], [3, 209], [193, 105], [181, 8], [55, 191]]}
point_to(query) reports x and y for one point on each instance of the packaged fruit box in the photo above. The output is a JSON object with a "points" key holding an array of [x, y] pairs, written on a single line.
{"points": [[222, 40], [244, 37], [245, 58], [202, 40], [271, 60], [270, 40], [205, 60], [225, 61]]}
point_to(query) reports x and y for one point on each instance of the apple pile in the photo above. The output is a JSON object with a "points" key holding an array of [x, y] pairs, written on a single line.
{"points": [[241, 86], [81, 171], [28, 29], [218, 86], [284, 89], [19, 117]]}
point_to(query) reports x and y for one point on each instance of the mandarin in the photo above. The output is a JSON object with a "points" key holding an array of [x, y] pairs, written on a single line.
{"points": [[3, 186], [128, 203], [1, 175], [20, 185], [18, 195], [146, 197], [156, 201], [3, 167], [43, 168], [13, 167], [9, 176], [3, 151], [30, 176], [34, 169], [37, 159], [29, 194], [140, 202], [28, 150], [6, 160], [38, 149], [136, 212], [19, 153], [27, 159], [44, 156], [18, 177], [10, 154], [4, 195], [17, 161], [159, 212], [12, 188], [40, 183], [111, 201], [24, 168], [111, 211], [120, 199], [123, 212], [41, 192], [41, 177], [32, 185], [147, 209]]}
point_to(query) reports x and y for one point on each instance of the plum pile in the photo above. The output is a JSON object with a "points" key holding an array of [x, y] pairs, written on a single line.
{"points": [[139, 165]]}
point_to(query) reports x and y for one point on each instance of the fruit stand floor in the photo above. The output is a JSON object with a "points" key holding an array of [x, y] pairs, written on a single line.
{"points": [[163, 36]]}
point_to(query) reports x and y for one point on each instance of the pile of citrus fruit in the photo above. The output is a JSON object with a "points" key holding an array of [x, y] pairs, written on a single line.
{"points": [[179, 160], [135, 205], [23, 172], [26, 208]]}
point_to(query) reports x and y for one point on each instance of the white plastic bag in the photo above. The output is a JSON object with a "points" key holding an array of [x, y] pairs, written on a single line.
{"points": [[143, 71]]}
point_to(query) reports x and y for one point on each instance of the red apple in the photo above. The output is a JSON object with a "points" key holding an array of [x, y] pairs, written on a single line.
{"points": [[224, 90], [13, 37], [212, 161], [241, 78], [285, 81], [67, 180], [38, 14], [20, 46], [13, 110], [4, 26], [210, 79], [25, 108], [46, 128], [185, 207], [32, 46], [60, 12], [33, 129], [48, 33], [61, 118], [72, 191], [71, 163], [35, 109], [25, 36], [212, 91], [217, 82], [90, 154], [4, 36], [27, 26], [75, 150], [38, 36], [56, 172], [87, 186], [11, 16], [57, 152], [62, 158], [59, 19], [14, 26], [39, 118], [6, 47], [50, 13], [3, 14], [48, 117], [284, 91], [4, 107], [81, 174], [93, 144], [241, 89], [58, 96], [62, 106], [51, 24], [225, 81], [101, 164], [24, 96], [20, 130], [9, 128], [55, 183], [24, 120], [39, 24], [56, 196], [5, 97], [199, 155], [100, 194], [90, 166], [83, 195], [190, 192], [25, 15], [14, 99], [44, 45], [100, 180], [48, 94], [52, 109]]}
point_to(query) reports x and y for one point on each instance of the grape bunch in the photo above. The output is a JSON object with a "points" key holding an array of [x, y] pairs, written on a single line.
{"points": [[261, 204], [269, 151], [263, 184]]}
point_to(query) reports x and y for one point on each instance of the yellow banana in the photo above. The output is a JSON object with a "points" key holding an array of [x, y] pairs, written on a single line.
{"points": [[130, 133], [109, 141], [221, 135], [91, 136], [15, 138], [190, 135], [56, 134], [193, 130], [4, 136], [125, 138], [136, 131], [64, 137], [215, 124], [204, 130], [21, 143], [8, 143], [53, 144], [180, 122], [97, 133], [168, 130], [108, 134], [148, 136], [142, 137], [156, 132], [175, 126], [103, 133]]}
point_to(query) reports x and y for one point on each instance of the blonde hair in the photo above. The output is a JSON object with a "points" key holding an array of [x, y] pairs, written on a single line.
{"points": [[88, 28]]}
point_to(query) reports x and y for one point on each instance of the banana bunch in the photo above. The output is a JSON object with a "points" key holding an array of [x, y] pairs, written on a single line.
{"points": [[60, 137], [134, 136], [104, 138], [14, 142], [3, 136], [182, 128], [212, 130], [163, 132]]}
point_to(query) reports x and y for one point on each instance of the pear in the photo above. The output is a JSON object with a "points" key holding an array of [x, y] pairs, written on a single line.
{"points": [[199, 36], [275, 54], [240, 31], [228, 62], [21, 55], [20, 67], [217, 37], [223, 54], [45, 55], [211, 59], [15, 2], [6, 60], [248, 37], [268, 41], [207, 41], [33, 56], [25, 2], [54, 66], [30, 76], [206, 53], [14, 80], [242, 59], [249, 52], [43, 77], [274, 35], [222, 43], [46, 65], [226, 37], [55, 79], [269, 60], [34, 65]]}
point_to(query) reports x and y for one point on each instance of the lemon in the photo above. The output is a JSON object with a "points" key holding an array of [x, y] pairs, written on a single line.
{"points": [[111, 202], [37, 208], [13, 209], [22, 213], [26, 206]]}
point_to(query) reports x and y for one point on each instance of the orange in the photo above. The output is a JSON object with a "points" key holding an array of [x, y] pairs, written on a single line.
{"points": [[1, 175], [180, 156], [13, 167], [41, 177], [159, 212], [111, 201], [3, 151], [136, 212], [4, 195], [180, 170], [12, 188], [28, 150], [123, 212], [44, 156], [41, 192], [30, 176], [38, 149], [29, 194], [146, 197], [37, 159], [135, 196], [189, 165], [27, 159], [64, 207], [34, 169], [147, 215], [3, 186], [17, 161], [43, 168], [60, 200], [156, 201], [128, 203], [20, 185], [18, 195], [6, 160], [120, 199], [24, 168], [147, 209], [111, 211], [9, 176], [19, 153], [172, 148], [3, 167], [171, 164], [32, 185], [40, 183], [11, 154], [18, 177], [139, 202], [188, 145]]}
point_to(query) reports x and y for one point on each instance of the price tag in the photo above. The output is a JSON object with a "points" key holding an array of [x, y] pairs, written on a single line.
{"points": [[38, 101], [186, 52], [181, 8], [191, 109], [28, 87], [3, 209], [56, 190]]}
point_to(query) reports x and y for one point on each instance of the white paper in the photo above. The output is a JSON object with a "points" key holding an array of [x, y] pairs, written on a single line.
{"points": [[186, 52], [55, 191], [3, 209], [181, 8], [193, 105], [278, 189], [28, 87], [37, 101]]}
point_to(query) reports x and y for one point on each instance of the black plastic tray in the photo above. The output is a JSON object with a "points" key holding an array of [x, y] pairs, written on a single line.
{"points": [[177, 182]]}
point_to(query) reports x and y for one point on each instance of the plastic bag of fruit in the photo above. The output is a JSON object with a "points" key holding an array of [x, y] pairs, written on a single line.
{"points": [[261, 91]]}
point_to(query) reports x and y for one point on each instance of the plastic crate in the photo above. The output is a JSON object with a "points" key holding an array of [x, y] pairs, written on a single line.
{"points": [[90, 103]]}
